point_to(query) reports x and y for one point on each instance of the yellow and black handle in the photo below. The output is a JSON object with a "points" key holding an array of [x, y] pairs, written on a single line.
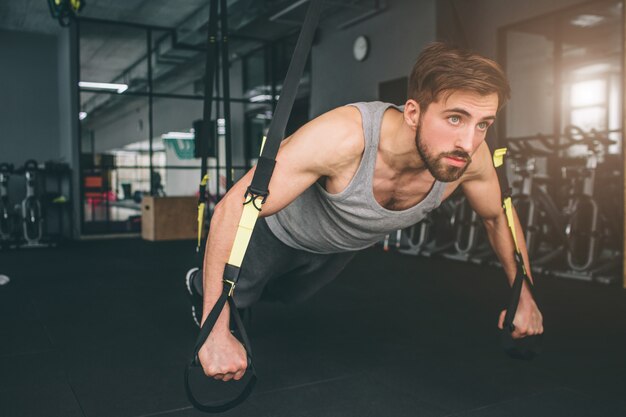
{"points": [[236, 392], [529, 346]]}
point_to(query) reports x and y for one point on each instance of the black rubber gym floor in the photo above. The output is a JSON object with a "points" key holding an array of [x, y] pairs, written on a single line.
{"points": [[103, 328]]}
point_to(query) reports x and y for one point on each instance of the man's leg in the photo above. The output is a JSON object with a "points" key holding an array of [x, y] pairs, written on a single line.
{"points": [[266, 258], [315, 272]]}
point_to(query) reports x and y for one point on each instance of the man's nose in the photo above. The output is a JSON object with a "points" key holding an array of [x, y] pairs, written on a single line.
{"points": [[465, 140]]}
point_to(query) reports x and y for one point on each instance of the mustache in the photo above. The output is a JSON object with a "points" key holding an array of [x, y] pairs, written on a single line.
{"points": [[458, 155]]}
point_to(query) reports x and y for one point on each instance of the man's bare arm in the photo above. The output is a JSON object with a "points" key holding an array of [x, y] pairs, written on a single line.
{"points": [[320, 148], [483, 193]]}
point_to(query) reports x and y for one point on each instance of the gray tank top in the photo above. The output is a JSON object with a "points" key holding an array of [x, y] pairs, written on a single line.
{"points": [[320, 222]]}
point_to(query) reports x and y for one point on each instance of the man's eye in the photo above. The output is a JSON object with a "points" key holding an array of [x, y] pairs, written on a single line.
{"points": [[483, 125], [455, 120]]}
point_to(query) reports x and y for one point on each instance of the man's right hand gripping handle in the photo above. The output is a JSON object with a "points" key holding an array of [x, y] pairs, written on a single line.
{"points": [[222, 356]]}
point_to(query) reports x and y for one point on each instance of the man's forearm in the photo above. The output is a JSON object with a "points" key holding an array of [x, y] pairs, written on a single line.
{"points": [[219, 244], [502, 243]]}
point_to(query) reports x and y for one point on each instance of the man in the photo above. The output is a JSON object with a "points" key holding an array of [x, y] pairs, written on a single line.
{"points": [[352, 175]]}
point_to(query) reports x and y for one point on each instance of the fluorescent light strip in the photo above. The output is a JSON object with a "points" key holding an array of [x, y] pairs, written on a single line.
{"points": [[120, 88], [178, 135]]}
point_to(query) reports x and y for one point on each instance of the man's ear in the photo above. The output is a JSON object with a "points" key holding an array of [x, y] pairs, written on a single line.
{"points": [[412, 113]]}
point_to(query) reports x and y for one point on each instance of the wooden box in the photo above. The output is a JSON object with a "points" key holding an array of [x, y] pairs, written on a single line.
{"points": [[169, 218]]}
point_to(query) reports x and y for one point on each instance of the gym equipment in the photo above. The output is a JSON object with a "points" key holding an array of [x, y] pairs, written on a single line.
{"points": [[65, 10], [254, 199], [588, 228], [32, 221], [434, 234], [539, 215], [6, 211], [470, 243], [529, 346]]}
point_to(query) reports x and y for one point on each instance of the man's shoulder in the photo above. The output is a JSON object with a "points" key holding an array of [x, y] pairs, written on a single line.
{"points": [[481, 165], [342, 129]]}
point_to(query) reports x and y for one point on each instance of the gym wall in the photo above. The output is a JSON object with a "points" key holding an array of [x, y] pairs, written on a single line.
{"points": [[29, 124], [396, 36]]}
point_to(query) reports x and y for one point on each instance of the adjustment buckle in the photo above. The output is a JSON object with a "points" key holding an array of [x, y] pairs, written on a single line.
{"points": [[252, 195], [232, 287]]}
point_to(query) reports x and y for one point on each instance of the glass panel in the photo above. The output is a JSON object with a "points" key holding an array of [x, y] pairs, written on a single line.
{"points": [[530, 69], [592, 66], [176, 163], [114, 161]]}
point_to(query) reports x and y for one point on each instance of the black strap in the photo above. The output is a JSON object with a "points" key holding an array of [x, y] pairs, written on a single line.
{"points": [[276, 132], [259, 187], [250, 379], [209, 81], [529, 346]]}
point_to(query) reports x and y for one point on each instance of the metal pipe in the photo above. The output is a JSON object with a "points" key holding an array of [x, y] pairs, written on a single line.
{"points": [[150, 109]]}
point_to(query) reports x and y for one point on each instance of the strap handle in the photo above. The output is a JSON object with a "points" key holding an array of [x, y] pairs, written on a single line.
{"points": [[249, 377], [529, 346], [254, 199]]}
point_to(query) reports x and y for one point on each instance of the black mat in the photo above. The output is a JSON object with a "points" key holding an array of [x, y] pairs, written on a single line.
{"points": [[103, 328]]}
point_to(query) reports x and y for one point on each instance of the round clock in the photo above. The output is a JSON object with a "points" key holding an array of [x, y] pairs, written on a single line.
{"points": [[361, 47]]}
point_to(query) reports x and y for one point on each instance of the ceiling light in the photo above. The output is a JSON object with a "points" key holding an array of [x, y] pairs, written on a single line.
{"points": [[82, 115], [586, 20], [178, 135], [120, 88]]}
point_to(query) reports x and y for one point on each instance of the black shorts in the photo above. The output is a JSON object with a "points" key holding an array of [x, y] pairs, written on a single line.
{"points": [[274, 271]]}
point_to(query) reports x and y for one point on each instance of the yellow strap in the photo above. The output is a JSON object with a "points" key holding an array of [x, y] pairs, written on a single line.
{"points": [[246, 225], [498, 157], [201, 209], [262, 145], [244, 232], [507, 204], [508, 211]]}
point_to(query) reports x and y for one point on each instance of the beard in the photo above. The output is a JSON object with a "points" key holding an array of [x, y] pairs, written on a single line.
{"points": [[435, 163]]}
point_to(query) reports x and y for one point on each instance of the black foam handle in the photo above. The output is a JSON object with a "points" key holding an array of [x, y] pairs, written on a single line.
{"points": [[246, 385], [525, 348], [248, 381]]}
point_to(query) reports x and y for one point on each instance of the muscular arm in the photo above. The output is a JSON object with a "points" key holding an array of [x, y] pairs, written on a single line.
{"points": [[483, 193], [319, 148]]}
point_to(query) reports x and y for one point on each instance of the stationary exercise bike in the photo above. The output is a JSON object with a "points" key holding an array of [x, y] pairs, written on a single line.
{"points": [[32, 221], [589, 226], [6, 212]]}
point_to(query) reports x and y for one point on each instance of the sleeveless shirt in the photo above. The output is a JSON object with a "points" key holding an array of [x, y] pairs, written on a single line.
{"points": [[320, 222]]}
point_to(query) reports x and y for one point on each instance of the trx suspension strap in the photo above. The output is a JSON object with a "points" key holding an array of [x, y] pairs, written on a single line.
{"points": [[526, 347], [203, 131], [237, 391]]}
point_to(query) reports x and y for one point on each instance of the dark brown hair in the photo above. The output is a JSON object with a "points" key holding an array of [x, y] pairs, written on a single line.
{"points": [[441, 69]]}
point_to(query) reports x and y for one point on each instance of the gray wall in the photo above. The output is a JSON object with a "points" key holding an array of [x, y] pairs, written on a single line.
{"points": [[396, 37], [29, 117]]}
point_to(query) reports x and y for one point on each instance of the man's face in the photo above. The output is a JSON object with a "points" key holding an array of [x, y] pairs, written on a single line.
{"points": [[450, 131]]}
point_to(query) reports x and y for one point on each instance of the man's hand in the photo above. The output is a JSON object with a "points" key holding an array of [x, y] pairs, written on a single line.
{"points": [[223, 357], [528, 320]]}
